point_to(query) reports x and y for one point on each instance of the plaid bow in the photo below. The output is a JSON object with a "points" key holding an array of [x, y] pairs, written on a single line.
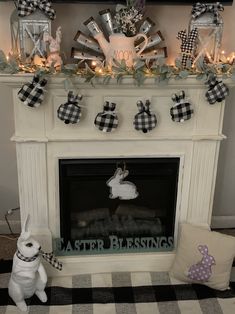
{"points": [[188, 45], [144, 121], [182, 109], [70, 112], [200, 8], [217, 90], [27, 7], [107, 121], [51, 259]]}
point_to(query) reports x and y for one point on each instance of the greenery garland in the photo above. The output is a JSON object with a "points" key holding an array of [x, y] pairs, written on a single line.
{"points": [[159, 70]]}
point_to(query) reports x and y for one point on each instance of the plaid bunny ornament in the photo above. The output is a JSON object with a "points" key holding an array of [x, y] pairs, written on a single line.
{"points": [[70, 112], [107, 121], [217, 90], [144, 120], [182, 109], [188, 45], [32, 94]]}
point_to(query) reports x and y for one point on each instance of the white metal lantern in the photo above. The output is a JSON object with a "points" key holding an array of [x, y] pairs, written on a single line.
{"points": [[210, 31], [27, 34]]}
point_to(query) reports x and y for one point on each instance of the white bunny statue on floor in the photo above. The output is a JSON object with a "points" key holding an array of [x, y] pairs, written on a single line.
{"points": [[124, 190], [54, 48], [28, 275]]}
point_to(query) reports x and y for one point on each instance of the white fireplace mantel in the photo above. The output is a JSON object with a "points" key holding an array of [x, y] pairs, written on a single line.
{"points": [[42, 139]]}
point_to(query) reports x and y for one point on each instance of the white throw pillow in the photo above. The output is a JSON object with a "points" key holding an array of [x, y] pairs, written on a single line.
{"points": [[203, 257]]}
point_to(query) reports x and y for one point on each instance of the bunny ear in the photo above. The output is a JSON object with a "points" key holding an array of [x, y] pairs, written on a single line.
{"points": [[174, 97], [140, 105], [203, 249], [125, 173], [25, 234], [118, 172]]}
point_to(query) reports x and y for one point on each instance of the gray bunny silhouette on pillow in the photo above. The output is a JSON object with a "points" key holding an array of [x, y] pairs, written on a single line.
{"points": [[201, 271]]}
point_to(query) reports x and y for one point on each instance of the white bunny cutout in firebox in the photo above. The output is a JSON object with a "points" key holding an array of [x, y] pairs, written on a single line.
{"points": [[28, 275], [124, 190]]}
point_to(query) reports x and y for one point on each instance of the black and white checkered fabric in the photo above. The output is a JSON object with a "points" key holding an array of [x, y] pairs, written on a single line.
{"points": [[107, 121], [201, 8], [123, 293], [70, 112], [24, 258], [217, 90], [32, 94], [145, 120], [51, 259], [27, 7], [182, 109], [188, 45]]}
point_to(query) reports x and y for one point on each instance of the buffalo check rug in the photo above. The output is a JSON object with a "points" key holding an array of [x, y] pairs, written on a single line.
{"points": [[123, 293]]}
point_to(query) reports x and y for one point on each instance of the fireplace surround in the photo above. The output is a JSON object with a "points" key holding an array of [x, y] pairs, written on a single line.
{"points": [[42, 141]]}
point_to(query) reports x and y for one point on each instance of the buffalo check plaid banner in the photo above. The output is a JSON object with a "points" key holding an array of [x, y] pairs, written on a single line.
{"points": [[70, 112], [124, 293], [32, 93], [182, 109], [107, 121], [145, 120], [217, 90]]}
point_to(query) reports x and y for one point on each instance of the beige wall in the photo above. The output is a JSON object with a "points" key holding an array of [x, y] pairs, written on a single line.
{"points": [[170, 19]]}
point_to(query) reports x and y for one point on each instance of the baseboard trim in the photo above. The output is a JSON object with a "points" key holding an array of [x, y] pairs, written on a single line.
{"points": [[223, 222], [15, 226]]}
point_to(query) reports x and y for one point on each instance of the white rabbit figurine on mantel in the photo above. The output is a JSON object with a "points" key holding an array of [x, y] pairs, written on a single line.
{"points": [[124, 190], [54, 57]]}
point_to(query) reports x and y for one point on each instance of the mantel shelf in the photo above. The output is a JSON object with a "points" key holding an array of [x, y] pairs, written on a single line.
{"points": [[127, 82]]}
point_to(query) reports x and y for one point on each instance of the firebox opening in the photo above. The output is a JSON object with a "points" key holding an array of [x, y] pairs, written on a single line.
{"points": [[92, 222]]}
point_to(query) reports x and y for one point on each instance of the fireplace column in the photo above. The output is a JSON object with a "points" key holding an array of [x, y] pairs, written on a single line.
{"points": [[32, 175]]}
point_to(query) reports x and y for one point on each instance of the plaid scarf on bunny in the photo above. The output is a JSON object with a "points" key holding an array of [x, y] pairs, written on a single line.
{"points": [[49, 257]]}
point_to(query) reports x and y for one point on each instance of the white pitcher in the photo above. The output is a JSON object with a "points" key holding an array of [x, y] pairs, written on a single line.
{"points": [[120, 47]]}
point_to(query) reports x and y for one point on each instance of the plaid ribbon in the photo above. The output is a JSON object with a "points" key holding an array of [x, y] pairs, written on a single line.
{"points": [[201, 8], [182, 109], [217, 90], [144, 121], [49, 257], [107, 121], [24, 258], [27, 7], [188, 45], [70, 112]]}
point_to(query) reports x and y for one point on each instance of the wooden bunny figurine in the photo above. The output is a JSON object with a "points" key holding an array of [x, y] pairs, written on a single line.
{"points": [[28, 275], [54, 48]]}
